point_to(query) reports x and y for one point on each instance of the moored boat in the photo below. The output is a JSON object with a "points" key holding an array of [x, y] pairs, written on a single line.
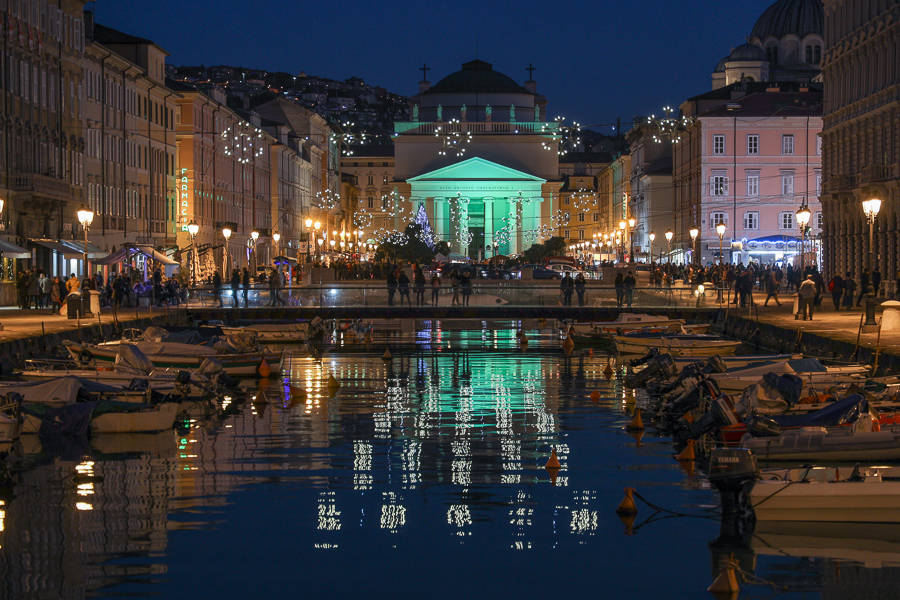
{"points": [[675, 344]]}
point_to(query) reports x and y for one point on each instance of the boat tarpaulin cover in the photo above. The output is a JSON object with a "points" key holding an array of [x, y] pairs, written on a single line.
{"points": [[130, 359], [69, 420], [174, 349]]}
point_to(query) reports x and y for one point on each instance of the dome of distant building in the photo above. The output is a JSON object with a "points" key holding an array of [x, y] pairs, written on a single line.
{"points": [[720, 66], [477, 77], [790, 17], [745, 52]]}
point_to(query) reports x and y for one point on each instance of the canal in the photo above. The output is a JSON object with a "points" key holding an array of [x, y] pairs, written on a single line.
{"points": [[420, 477]]}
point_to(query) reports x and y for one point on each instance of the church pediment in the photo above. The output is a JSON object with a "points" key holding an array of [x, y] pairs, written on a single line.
{"points": [[475, 169]]}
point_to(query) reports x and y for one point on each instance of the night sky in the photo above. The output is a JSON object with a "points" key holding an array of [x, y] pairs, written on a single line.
{"points": [[596, 61]]}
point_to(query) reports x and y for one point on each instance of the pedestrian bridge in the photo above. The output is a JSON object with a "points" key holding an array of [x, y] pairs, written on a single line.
{"points": [[493, 300]]}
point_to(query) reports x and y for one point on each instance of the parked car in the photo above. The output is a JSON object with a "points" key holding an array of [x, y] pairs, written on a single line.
{"points": [[542, 272]]}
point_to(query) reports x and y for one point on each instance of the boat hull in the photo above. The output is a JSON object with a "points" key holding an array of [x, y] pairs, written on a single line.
{"points": [[625, 345], [844, 501], [157, 418], [242, 365]]}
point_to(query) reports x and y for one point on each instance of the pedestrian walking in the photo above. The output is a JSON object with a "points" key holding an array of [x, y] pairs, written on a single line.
{"points": [[217, 287], [245, 284], [807, 296], [454, 285], [567, 287], [836, 287], [629, 283], [465, 285], [619, 284], [235, 287], [403, 286], [391, 281], [435, 288], [419, 280], [849, 289], [876, 280], [581, 286], [771, 288], [863, 285]]}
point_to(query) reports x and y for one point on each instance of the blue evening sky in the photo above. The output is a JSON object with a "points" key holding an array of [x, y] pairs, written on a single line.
{"points": [[596, 61]]}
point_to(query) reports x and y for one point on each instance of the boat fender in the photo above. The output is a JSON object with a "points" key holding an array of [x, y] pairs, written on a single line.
{"points": [[876, 426], [85, 356]]}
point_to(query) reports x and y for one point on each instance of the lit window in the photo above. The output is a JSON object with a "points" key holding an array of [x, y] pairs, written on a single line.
{"points": [[718, 183]]}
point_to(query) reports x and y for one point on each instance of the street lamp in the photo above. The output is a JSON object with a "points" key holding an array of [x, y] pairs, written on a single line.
{"points": [[720, 229], [276, 237], [669, 235], [652, 237], [694, 233], [193, 228], [226, 233], [631, 223], [317, 226], [803, 220], [254, 235], [622, 226], [85, 217], [871, 208]]}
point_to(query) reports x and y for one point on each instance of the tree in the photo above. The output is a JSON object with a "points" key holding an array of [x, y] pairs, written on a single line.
{"points": [[555, 246], [413, 249]]}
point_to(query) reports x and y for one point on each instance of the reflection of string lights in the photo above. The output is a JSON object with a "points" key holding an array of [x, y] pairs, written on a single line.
{"points": [[393, 515], [328, 512]]}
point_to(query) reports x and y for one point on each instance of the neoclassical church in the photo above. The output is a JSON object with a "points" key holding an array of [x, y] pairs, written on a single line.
{"points": [[785, 44], [480, 157]]}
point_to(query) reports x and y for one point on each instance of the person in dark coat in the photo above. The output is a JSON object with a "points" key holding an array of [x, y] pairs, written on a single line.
{"points": [[403, 286], [876, 280], [837, 290], [580, 286], [629, 283], [235, 286], [863, 285], [849, 289], [391, 286], [217, 287], [619, 284], [245, 283], [567, 286], [465, 284]]}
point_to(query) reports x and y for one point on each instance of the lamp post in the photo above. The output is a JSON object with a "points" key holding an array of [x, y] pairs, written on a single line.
{"points": [[694, 233], [85, 217], [308, 224], [622, 226], [720, 229], [276, 237], [631, 223], [652, 237], [803, 215], [193, 228], [317, 226], [871, 208], [669, 235], [226, 233], [254, 235]]}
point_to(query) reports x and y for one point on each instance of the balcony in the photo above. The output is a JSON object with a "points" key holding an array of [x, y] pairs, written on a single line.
{"points": [[42, 185], [876, 173], [843, 182]]}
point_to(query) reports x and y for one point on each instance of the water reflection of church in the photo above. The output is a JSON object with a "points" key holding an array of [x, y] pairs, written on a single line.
{"points": [[480, 156]]}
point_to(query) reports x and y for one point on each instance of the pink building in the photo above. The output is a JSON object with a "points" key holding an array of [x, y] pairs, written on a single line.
{"points": [[750, 158]]}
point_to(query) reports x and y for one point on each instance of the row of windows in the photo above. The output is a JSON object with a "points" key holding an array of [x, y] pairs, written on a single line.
{"points": [[718, 183], [787, 144], [786, 220]]}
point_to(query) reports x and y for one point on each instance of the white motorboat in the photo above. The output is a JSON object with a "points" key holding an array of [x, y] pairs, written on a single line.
{"points": [[275, 333], [166, 355], [134, 419], [809, 494], [822, 444], [675, 344], [811, 371], [627, 322]]}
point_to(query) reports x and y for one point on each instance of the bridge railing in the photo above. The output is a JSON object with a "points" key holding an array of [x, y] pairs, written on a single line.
{"points": [[495, 294]]}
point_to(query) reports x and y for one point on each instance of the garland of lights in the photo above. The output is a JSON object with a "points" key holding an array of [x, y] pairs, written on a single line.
{"points": [[454, 141], [363, 219], [584, 199], [461, 206], [327, 200], [560, 219], [668, 126], [563, 139], [240, 141]]}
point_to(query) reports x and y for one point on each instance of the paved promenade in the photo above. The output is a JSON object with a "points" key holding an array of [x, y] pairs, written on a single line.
{"points": [[18, 323]]}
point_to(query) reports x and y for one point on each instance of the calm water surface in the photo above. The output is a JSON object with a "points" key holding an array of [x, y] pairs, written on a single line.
{"points": [[419, 478]]}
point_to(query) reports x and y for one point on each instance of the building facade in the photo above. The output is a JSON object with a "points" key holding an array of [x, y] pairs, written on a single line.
{"points": [[749, 160], [861, 135], [652, 200], [42, 144]]}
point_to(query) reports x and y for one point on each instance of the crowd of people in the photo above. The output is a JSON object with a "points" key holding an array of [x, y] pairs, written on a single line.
{"points": [[35, 289]]}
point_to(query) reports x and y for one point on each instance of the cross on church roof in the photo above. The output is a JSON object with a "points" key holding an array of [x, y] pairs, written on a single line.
{"points": [[531, 70], [424, 70]]}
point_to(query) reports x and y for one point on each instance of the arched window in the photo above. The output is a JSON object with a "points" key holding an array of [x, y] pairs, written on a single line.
{"points": [[817, 54], [809, 54], [772, 55]]}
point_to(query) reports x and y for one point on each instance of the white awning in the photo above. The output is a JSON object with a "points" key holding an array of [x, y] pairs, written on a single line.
{"points": [[59, 248], [10, 250], [92, 250]]}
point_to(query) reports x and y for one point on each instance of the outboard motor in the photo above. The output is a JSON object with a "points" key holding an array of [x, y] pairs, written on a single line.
{"points": [[721, 413], [730, 469], [694, 391], [759, 426], [660, 367], [636, 362]]}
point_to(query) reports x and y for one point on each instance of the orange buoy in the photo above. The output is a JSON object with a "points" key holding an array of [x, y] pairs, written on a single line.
{"points": [[688, 452], [387, 355], [689, 417], [726, 583], [627, 505], [608, 371], [261, 398], [552, 462], [595, 396], [637, 424], [264, 369]]}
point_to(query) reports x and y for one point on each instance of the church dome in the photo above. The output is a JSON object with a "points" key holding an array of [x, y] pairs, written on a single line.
{"points": [[747, 52], [477, 77], [720, 66], [785, 17]]}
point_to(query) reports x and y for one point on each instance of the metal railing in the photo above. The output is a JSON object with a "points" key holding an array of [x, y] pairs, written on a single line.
{"points": [[494, 294]]}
